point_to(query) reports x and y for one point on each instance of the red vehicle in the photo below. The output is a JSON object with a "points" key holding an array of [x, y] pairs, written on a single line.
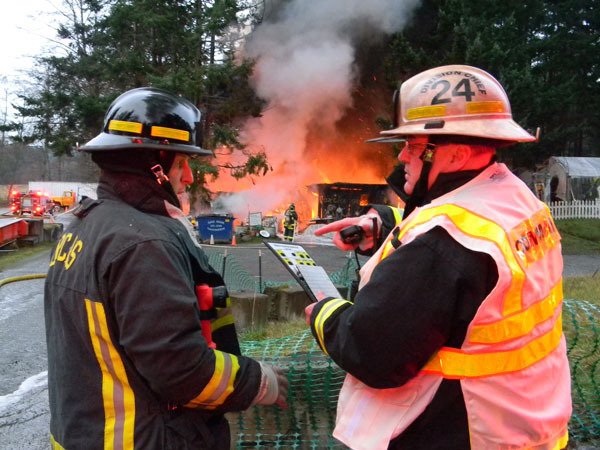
{"points": [[34, 203], [14, 201]]}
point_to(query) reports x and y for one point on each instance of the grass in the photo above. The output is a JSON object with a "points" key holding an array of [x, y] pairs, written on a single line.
{"points": [[9, 258], [274, 330], [580, 236], [583, 288]]}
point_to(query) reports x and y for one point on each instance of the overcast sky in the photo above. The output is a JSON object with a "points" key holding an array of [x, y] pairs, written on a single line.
{"points": [[25, 31]]}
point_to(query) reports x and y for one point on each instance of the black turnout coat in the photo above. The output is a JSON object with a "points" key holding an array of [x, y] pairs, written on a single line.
{"points": [[127, 362]]}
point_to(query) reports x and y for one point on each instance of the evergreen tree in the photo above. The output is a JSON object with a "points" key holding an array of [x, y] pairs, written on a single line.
{"points": [[178, 45], [542, 52]]}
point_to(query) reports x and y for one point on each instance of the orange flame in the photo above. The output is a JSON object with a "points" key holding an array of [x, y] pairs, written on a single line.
{"points": [[328, 158]]}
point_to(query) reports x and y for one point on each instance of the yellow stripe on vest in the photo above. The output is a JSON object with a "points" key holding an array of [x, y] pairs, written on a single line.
{"points": [[328, 309], [397, 214], [220, 385], [562, 441], [519, 324], [478, 227], [454, 363], [117, 395]]}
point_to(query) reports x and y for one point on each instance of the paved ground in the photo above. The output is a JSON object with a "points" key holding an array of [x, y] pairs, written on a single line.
{"points": [[257, 258]]}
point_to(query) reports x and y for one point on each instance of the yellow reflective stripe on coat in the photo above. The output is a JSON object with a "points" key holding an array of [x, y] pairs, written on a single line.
{"points": [[454, 363], [479, 227], [222, 321], [519, 324], [117, 395], [55, 445], [326, 311], [220, 385]]}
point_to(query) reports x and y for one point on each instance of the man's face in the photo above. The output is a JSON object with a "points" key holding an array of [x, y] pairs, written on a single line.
{"points": [[410, 156], [180, 175]]}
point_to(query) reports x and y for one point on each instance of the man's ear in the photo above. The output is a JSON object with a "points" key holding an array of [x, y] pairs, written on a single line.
{"points": [[459, 158]]}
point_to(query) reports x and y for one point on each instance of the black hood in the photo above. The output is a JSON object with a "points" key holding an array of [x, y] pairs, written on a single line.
{"points": [[130, 174], [444, 183]]}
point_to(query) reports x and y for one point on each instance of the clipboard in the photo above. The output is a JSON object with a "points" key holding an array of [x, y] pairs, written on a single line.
{"points": [[310, 276]]}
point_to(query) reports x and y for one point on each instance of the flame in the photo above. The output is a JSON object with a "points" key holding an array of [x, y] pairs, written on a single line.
{"points": [[324, 159]]}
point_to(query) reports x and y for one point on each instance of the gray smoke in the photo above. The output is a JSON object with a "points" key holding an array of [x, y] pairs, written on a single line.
{"points": [[305, 71]]}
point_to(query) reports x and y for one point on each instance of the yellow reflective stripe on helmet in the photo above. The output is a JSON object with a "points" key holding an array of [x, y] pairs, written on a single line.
{"points": [[519, 324], [423, 112], [484, 107], [479, 227], [129, 127], [170, 133], [220, 385], [117, 395], [454, 363], [326, 311]]}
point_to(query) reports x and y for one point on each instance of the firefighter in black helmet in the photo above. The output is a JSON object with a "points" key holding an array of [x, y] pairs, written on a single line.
{"points": [[131, 360], [289, 222]]}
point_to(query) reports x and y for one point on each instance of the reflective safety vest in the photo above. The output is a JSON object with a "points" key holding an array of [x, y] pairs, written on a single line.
{"points": [[512, 365]]}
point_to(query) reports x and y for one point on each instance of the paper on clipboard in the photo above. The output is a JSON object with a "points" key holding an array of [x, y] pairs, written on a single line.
{"points": [[312, 277]]}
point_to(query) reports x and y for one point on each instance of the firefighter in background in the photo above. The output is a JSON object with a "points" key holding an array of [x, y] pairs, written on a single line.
{"points": [[454, 339], [132, 362], [289, 223]]}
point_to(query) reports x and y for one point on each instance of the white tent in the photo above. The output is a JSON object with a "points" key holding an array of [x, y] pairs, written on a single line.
{"points": [[571, 178]]}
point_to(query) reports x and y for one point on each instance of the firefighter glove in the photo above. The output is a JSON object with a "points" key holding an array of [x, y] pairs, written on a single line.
{"points": [[273, 387]]}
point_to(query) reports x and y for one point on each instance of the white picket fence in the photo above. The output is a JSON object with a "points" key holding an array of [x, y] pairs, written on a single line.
{"points": [[578, 209]]}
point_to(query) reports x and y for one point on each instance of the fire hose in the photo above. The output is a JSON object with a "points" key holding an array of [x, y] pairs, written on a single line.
{"points": [[32, 276]]}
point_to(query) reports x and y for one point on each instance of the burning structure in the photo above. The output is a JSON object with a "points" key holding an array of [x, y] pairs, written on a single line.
{"points": [[315, 123], [338, 200]]}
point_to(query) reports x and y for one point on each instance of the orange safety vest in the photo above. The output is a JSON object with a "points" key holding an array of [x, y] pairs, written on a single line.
{"points": [[512, 365]]}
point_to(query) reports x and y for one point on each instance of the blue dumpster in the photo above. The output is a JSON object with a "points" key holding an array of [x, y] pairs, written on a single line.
{"points": [[219, 226]]}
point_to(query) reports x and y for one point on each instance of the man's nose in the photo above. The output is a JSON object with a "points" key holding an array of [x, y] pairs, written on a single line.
{"points": [[187, 177], [404, 156]]}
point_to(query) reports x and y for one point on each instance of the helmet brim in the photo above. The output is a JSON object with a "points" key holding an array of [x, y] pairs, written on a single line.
{"points": [[499, 129], [108, 142]]}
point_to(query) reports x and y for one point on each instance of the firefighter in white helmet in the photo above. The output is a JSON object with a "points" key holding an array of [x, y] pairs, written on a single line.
{"points": [[454, 339]]}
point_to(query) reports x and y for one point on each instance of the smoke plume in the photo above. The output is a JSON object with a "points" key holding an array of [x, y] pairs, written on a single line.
{"points": [[306, 71]]}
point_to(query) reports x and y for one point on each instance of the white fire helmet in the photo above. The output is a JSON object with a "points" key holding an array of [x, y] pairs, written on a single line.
{"points": [[455, 100]]}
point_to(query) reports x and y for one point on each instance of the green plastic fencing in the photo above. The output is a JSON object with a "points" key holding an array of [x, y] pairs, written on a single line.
{"points": [[315, 380], [580, 323], [308, 421]]}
